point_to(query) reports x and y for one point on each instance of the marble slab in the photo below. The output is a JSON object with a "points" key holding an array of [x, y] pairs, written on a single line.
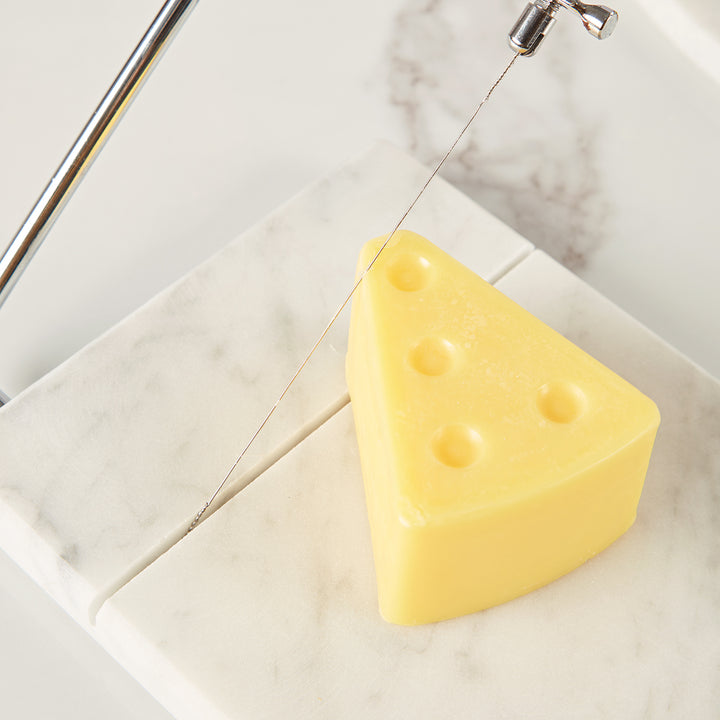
{"points": [[268, 609]]}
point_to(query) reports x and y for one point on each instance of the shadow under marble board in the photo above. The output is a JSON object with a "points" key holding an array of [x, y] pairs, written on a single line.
{"points": [[268, 608]]}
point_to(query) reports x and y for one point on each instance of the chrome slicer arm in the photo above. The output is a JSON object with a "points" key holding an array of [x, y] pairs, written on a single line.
{"points": [[88, 144]]}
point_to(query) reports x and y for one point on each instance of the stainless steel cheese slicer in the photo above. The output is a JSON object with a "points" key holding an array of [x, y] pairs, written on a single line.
{"points": [[525, 37]]}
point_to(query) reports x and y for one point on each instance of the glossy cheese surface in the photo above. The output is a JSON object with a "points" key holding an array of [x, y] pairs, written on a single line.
{"points": [[496, 455]]}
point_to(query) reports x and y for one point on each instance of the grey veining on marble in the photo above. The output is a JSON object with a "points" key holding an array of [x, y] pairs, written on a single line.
{"points": [[534, 157], [126, 440], [582, 149]]}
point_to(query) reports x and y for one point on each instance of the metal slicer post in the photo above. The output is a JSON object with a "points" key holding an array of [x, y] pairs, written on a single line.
{"points": [[89, 143]]}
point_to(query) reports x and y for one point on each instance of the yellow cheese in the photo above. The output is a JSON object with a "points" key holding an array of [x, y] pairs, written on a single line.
{"points": [[496, 455]]}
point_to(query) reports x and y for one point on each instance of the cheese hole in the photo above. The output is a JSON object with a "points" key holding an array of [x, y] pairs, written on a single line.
{"points": [[561, 401], [432, 356], [456, 445], [409, 272]]}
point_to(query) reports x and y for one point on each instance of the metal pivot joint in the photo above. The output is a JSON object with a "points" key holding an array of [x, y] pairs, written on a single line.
{"points": [[539, 16]]}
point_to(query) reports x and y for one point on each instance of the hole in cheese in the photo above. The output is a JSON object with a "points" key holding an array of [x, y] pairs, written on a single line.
{"points": [[409, 272], [432, 356], [561, 401], [456, 445]]}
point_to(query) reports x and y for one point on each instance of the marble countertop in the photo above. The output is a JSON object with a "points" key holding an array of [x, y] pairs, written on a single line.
{"points": [[605, 156]]}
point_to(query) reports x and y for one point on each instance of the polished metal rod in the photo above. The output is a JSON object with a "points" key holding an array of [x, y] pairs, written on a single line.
{"points": [[90, 142]]}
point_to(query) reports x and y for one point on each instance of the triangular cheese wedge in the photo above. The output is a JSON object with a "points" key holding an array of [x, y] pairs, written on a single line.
{"points": [[496, 455]]}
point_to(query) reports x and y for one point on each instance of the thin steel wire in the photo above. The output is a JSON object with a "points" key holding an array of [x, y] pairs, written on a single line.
{"points": [[287, 387]]}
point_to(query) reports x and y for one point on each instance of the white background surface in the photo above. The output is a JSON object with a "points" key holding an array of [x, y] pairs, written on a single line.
{"points": [[604, 155]]}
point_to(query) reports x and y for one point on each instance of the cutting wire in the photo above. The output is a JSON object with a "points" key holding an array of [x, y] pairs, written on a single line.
{"points": [[335, 316]]}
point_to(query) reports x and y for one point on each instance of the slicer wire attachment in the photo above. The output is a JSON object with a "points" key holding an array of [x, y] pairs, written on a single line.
{"points": [[539, 16]]}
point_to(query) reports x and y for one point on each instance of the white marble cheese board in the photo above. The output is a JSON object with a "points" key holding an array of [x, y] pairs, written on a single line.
{"points": [[268, 609]]}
